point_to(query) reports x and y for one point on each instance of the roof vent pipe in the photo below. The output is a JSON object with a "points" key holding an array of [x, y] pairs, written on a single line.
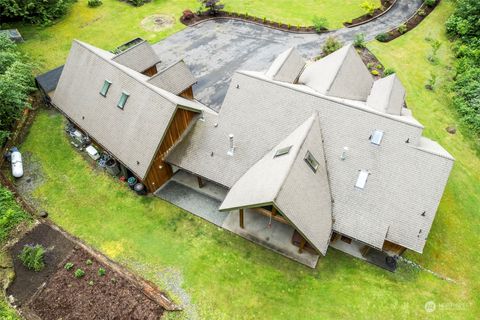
{"points": [[231, 151], [344, 153]]}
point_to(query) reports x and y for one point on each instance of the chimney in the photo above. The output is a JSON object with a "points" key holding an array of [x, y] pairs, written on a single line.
{"points": [[231, 151]]}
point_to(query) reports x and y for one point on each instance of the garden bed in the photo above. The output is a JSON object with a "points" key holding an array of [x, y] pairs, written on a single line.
{"points": [[385, 6], [197, 18], [410, 24]]}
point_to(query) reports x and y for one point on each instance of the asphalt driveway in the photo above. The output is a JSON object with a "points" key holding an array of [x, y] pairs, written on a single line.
{"points": [[215, 49]]}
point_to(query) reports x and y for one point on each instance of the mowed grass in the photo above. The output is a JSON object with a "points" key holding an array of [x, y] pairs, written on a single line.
{"points": [[116, 22], [226, 277]]}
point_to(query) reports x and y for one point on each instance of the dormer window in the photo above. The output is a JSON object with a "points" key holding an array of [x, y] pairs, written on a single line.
{"points": [[282, 151], [311, 161], [362, 179], [123, 100], [105, 87], [376, 137]]}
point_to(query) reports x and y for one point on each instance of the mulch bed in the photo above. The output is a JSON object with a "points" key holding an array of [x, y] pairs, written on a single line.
{"points": [[412, 22], [371, 62], [239, 16], [385, 6]]}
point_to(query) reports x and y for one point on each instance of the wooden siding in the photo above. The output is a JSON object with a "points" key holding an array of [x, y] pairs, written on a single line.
{"points": [[393, 248], [187, 93], [160, 171], [150, 71]]}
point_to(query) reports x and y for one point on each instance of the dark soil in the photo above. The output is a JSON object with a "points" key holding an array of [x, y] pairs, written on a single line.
{"points": [[371, 62], [386, 4], [239, 16], [27, 282], [92, 296]]}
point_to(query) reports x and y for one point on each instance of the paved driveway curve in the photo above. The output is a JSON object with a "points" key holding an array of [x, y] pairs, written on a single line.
{"points": [[215, 49]]}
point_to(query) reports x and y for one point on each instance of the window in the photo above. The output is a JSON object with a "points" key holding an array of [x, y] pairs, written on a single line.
{"points": [[311, 161], [123, 100], [362, 179], [376, 137], [106, 86], [282, 151]]}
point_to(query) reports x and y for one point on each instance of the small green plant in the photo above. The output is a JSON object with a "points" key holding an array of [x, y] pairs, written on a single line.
{"points": [[369, 7], [388, 71], [359, 41], [379, 66], [289, 26], [264, 19], [370, 65], [88, 262], [331, 45], [137, 3], [32, 257], [90, 283], [320, 24], [79, 273], [430, 3], [94, 3], [382, 37], [421, 12], [431, 82], [402, 28], [375, 72], [101, 272], [68, 266]]}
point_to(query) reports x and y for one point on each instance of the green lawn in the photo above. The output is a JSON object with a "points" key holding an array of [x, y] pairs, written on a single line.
{"points": [[227, 277], [115, 22]]}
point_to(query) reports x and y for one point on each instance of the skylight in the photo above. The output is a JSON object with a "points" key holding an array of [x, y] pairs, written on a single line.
{"points": [[282, 151], [123, 100], [311, 161], [105, 87], [362, 179], [376, 137]]}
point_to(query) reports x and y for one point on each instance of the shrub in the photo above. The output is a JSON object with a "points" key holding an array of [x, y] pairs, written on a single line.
{"points": [[382, 37], [88, 262], [187, 15], [32, 257], [331, 45], [402, 28], [79, 273], [359, 41], [33, 11], [11, 214], [68, 266], [264, 19], [388, 71], [94, 3], [101, 272], [375, 72], [211, 6], [90, 283], [137, 3], [320, 23], [430, 3], [370, 65], [369, 7], [379, 66], [421, 13]]}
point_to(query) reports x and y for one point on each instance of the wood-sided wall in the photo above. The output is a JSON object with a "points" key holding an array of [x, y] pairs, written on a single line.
{"points": [[150, 71], [393, 248], [160, 171], [187, 93]]}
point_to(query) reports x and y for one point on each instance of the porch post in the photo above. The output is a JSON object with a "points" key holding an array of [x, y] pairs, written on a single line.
{"points": [[200, 182], [241, 219], [302, 245]]}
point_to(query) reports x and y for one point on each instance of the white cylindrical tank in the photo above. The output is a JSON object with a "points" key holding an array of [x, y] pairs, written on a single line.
{"points": [[17, 165]]}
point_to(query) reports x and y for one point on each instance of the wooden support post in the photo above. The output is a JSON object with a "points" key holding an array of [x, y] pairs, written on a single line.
{"points": [[302, 245], [200, 182], [241, 219]]}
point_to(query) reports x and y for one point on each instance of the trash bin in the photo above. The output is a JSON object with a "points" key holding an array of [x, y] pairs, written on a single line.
{"points": [[131, 182], [140, 189]]}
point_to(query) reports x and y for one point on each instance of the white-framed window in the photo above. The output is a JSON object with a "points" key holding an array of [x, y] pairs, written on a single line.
{"points": [[282, 151], [105, 87], [123, 100], [311, 161], [362, 179], [376, 137]]}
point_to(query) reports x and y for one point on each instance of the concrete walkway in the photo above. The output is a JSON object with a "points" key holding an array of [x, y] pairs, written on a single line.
{"points": [[215, 49]]}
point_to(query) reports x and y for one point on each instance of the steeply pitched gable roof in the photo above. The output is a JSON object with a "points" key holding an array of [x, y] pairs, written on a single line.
{"points": [[387, 95], [175, 78], [341, 74], [287, 181], [287, 66], [139, 57]]}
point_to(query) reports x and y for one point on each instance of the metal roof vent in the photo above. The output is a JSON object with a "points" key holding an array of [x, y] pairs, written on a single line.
{"points": [[376, 137], [344, 153], [231, 151]]}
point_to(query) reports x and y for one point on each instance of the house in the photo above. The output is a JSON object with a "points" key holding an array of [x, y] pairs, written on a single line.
{"points": [[317, 146]]}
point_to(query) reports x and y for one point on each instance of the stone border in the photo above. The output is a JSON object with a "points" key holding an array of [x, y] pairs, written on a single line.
{"points": [[373, 18]]}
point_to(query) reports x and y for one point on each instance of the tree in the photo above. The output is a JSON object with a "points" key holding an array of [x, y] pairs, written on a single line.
{"points": [[33, 11], [212, 6]]}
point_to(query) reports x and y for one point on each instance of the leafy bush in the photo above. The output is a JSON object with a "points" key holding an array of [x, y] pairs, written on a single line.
{"points": [[94, 3], [331, 45], [430, 3], [11, 214], [320, 23], [382, 37], [379, 66], [88, 262], [402, 28], [421, 13], [212, 6], [68, 266], [388, 71], [32, 257], [137, 3], [101, 272], [90, 283], [375, 72], [79, 273], [359, 41], [33, 11], [370, 65], [369, 7]]}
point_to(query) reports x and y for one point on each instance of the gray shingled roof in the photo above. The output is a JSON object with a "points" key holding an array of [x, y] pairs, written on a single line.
{"points": [[287, 66], [129, 134], [139, 57], [341, 74], [175, 78], [387, 95], [406, 179], [301, 195]]}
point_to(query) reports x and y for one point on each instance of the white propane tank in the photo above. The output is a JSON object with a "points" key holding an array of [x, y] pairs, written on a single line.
{"points": [[17, 165]]}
